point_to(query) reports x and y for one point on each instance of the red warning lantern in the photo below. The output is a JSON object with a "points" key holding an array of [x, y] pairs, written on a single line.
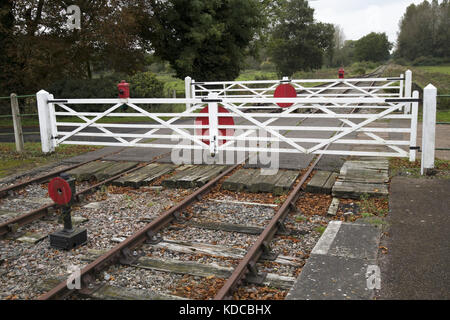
{"points": [[59, 191], [341, 73], [285, 91], [223, 121]]}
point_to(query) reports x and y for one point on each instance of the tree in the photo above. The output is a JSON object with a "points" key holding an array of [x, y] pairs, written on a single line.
{"points": [[45, 50], [297, 42], [425, 31], [373, 47], [334, 55], [204, 39]]}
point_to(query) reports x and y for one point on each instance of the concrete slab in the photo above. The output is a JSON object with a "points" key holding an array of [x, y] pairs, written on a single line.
{"points": [[416, 265], [338, 264]]}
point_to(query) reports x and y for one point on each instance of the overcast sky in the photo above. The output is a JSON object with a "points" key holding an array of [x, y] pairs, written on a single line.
{"points": [[360, 17]]}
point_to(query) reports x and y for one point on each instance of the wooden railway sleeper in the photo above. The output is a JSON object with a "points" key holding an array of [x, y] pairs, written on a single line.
{"points": [[127, 257]]}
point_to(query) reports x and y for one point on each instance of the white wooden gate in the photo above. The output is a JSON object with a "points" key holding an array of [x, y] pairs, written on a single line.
{"points": [[67, 131], [329, 129]]}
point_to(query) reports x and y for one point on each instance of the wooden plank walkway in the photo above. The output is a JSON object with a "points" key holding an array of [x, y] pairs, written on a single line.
{"points": [[145, 175], [194, 176], [358, 177], [88, 171], [322, 182], [251, 180]]}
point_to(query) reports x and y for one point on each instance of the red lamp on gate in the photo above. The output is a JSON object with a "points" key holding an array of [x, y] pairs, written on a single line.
{"points": [[341, 73], [124, 90]]}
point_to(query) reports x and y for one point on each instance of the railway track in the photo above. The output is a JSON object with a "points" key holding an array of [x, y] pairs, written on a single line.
{"points": [[175, 231]]}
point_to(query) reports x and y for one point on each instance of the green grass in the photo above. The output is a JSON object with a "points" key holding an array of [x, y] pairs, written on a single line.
{"points": [[171, 83], [445, 69], [422, 76], [320, 229], [443, 116], [12, 162]]}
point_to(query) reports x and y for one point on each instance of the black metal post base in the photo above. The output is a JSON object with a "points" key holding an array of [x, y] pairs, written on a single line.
{"points": [[68, 240]]}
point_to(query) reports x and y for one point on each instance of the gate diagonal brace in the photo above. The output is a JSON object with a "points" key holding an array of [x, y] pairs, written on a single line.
{"points": [[153, 238], [253, 276], [268, 254], [127, 257]]}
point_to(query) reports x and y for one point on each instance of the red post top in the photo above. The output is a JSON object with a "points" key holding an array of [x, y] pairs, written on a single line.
{"points": [[124, 89]]}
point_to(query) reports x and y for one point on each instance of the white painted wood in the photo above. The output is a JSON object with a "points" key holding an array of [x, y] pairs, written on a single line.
{"points": [[311, 98], [408, 88], [188, 90], [213, 112], [45, 125], [428, 128]]}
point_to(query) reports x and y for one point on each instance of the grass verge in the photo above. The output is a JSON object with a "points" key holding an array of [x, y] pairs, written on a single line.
{"points": [[13, 162]]}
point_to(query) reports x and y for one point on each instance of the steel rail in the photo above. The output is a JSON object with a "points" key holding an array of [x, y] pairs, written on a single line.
{"points": [[112, 256], [263, 241], [4, 191]]}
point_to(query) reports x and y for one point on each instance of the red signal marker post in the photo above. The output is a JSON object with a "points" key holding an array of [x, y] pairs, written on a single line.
{"points": [[62, 191]]}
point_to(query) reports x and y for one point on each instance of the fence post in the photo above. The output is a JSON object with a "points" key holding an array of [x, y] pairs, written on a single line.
{"points": [[45, 121], [413, 136], [408, 88], [18, 133], [428, 128], [187, 90]]}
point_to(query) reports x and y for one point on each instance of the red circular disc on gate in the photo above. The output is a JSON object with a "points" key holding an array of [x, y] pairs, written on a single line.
{"points": [[59, 190], [285, 91], [223, 121]]}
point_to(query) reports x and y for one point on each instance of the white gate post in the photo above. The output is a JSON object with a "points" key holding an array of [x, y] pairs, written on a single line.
{"points": [[213, 109], [408, 88], [45, 121], [428, 128], [413, 136], [187, 90]]}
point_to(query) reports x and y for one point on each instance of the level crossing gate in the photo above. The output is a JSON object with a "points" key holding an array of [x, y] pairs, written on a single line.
{"points": [[217, 119]]}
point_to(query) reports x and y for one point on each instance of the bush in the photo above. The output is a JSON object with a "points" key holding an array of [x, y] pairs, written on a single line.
{"points": [[402, 62], [142, 85], [71, 88], [145, 85], [267, 66]]}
